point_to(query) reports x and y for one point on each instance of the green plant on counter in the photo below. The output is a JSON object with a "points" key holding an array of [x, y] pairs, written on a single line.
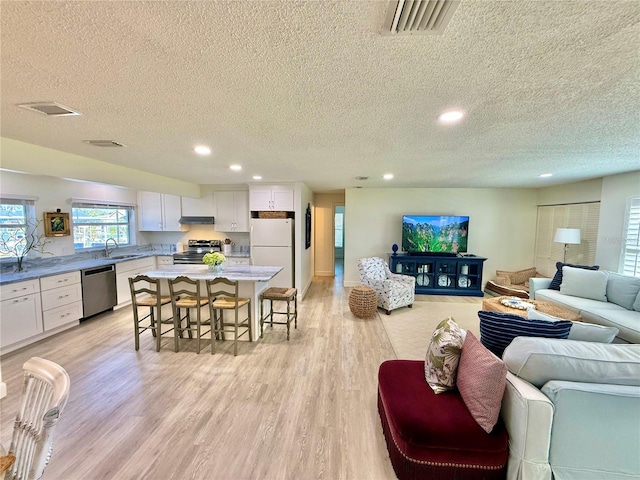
{"points": [[18, 242], [215, 258]]}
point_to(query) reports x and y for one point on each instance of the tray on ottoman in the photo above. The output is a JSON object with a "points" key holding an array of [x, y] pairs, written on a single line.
{"points": [[434, 436]]}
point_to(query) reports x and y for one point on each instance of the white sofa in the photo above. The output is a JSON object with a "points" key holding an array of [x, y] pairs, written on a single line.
{"points": [[563, 422], [619, 290]]}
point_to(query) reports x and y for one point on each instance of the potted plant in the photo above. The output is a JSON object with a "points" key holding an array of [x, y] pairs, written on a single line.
{"points": [[18, 242], [214, 260]]}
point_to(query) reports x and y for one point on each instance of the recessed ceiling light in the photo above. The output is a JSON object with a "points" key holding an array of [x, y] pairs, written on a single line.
{"points": [[388, 176], [544, 175], [452, 116], [202, 150], [257, 177], [235, 168]]}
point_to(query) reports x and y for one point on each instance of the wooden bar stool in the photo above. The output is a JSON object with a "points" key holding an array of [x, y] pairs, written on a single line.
{"points": [[186, 296], [145, 292], [224, 296], [279, 294]]}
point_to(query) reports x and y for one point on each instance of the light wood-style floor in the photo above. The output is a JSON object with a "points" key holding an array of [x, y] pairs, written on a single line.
{"points": [[303, 409]]}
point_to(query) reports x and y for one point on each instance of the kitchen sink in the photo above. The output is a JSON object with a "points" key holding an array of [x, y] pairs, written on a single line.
{"points": [[122, 257]]}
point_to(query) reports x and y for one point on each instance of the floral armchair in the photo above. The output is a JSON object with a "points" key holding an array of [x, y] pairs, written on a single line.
{"points": [[393, 290]]}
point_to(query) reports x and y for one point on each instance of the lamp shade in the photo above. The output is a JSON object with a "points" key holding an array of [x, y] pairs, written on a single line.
{"points": [[567, 235]]}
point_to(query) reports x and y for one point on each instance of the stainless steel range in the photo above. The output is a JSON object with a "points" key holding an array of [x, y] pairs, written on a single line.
{"points": [[195, 250]]}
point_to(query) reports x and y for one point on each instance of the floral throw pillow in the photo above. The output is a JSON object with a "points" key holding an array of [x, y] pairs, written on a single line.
{"points": [[443, 355]]}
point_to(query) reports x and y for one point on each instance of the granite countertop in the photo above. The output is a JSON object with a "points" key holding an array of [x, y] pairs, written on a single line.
{"points": [[242, 273], [49, 270], [238, 255]]}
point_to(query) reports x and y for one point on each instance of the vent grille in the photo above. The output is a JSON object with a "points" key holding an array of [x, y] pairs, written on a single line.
{"points": [[50, 109], [362, 179], [418, 17], [104, 143]]}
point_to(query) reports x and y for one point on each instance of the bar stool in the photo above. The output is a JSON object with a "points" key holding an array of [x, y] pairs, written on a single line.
{"points": [[278, 294], [224, 295], [185, 296], [145, 292]]}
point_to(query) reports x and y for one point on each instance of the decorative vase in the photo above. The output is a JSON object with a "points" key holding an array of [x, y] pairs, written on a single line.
{"points": [[215, 268]]}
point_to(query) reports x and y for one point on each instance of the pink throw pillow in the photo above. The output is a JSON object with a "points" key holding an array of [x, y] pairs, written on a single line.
{"points": [[482, 378]]}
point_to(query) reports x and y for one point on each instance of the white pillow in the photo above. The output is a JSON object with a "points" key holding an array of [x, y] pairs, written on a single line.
{"points": [[539, 360], [579, 282], [587, 332]]}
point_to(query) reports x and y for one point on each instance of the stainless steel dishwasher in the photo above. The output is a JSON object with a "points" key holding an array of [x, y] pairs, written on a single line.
{"points": [[98, 289]]}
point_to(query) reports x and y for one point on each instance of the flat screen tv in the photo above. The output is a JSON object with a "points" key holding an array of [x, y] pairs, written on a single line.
{"points": [[434, 234]]}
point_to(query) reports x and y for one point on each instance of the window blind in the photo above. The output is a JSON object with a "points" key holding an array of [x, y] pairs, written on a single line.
{"points": [[584, 216], [631, 239]]}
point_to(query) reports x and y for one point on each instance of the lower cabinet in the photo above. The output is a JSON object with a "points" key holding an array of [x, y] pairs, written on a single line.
{"points": [[124, 270], [20, 312], [164, 260], [441, 275], [61, 299]]}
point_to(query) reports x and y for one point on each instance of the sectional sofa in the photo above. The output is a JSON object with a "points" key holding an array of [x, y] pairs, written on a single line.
{"points": [[601, 297]]}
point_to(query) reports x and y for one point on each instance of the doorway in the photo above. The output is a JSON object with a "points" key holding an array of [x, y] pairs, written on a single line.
{"points": [[338, 244]]}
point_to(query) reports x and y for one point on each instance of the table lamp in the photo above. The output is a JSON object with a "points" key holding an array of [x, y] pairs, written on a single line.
{"points": [[567, 236]]}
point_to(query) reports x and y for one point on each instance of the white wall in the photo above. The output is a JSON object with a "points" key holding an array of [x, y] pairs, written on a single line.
{"points": [[304, 256], [616, 189], [577, 192], [29, 158], [54, 193], [502, 223], [612, 192]]}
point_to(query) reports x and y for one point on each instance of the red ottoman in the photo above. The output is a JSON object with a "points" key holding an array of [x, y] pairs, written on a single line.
{"points": [[433, 436]]}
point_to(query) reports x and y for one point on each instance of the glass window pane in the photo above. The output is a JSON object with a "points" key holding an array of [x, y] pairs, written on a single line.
{"points": [[12, 214], [339, 235], [93, 226]]}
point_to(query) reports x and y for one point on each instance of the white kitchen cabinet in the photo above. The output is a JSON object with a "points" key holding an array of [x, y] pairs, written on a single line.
{"points": [[164, 260], [124, 270], [232, 211], [199, 207], [159, 212], [61, 299], [20, 312], [271, 197]]}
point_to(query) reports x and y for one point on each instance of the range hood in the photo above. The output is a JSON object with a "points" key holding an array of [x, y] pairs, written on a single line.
{"points": [[196, 221]]}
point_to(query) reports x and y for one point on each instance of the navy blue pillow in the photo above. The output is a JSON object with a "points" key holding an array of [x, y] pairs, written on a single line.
{"points": [[557, 278], [497, 330]]}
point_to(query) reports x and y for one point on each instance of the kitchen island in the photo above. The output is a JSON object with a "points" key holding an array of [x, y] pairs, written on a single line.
{"points": [[252, 281]]}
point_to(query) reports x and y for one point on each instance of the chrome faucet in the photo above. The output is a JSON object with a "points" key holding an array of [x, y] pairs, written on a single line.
{"points": [[107, 252]]}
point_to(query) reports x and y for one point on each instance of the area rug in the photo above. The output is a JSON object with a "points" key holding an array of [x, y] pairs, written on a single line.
{"points": [[410, 329]]}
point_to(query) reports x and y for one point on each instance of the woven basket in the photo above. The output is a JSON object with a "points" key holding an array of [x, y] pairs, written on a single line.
{"points": [[363, 302], [270, 214]]}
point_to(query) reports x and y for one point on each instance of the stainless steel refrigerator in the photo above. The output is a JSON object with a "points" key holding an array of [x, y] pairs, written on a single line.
{"points": [[272, 241]]}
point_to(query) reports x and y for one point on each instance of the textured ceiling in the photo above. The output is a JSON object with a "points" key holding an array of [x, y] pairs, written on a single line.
{"points": [[310, 91]]}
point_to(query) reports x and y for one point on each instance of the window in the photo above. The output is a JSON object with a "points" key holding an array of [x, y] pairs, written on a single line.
{"points": [[15, 216], [339, 229], [631, 239], [93, 224]]}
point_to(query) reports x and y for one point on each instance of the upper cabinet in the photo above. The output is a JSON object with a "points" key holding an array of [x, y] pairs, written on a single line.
{"points": [[271, 197], [159, 212], [232, 213], [199, 207]]}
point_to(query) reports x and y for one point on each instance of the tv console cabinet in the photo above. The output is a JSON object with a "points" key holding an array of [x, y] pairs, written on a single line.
{"points": [[441, 275]]}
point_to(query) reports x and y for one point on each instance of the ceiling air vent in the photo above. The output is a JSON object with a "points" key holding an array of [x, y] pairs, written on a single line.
{"points": [[104, 143], [50, 109], [362, 179], [418, 17]]}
